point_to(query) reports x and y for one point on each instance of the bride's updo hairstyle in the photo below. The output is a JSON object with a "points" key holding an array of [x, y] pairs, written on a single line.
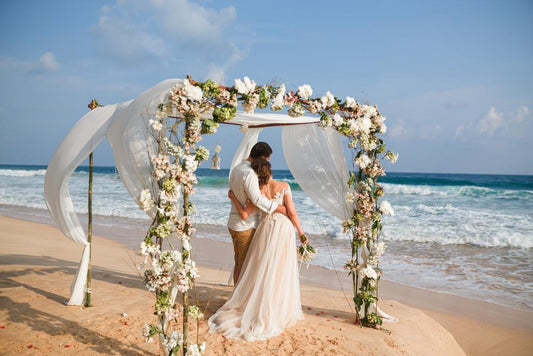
{"points": [[263, 169]]}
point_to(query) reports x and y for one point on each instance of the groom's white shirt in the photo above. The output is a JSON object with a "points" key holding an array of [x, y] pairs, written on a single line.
{"points": [[244, 184]]}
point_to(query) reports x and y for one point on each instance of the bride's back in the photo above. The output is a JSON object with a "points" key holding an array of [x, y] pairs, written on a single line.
{"points": [[273, 188]]}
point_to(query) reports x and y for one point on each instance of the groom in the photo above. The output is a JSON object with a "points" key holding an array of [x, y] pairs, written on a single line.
{"points": [[244, 184]]}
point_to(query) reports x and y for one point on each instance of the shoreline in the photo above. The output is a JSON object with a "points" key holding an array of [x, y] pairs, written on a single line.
{"points": [[477, 326], [114, 228]]}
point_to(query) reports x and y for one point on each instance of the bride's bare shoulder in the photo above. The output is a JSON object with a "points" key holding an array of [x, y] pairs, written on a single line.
{"points": [[278, 186]]}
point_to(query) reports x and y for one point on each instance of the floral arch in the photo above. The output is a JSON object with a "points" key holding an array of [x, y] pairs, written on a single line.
{"points": [[156, 145]]}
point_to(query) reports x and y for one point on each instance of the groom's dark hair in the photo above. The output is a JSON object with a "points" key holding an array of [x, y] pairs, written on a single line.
{"points": [[261, 149]]}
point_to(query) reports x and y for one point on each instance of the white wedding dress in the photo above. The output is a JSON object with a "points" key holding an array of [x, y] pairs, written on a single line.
{"points": [[266, 299]]}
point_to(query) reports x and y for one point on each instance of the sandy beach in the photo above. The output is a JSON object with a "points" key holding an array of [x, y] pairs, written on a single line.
{"points": [[38, 264]]}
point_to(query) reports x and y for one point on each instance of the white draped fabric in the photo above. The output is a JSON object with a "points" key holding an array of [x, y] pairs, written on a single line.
{"points": [[316, 160], [248, 141], [125, 126], [262, 119], [75, 147], [129, 138]]}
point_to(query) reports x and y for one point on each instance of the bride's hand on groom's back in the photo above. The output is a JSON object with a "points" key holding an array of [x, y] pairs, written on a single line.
{"points": [[281, 209]]}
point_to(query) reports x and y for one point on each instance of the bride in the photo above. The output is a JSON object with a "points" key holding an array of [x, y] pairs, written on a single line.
{"points": [[266, 298]]}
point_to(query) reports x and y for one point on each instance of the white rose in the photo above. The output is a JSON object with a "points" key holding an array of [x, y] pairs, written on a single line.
{"points": [[350, 197], [337, 120], [192, 91], [278, 101], [305, 91], [161, 115], [368, 111], [250, 85], [327, 100], [156, 125], [190, 163], [239, 85], [245, 86], [145, 200], [364, 125], [386, 208], [350, 102], [378, 249], [392, 157], [369, 272], [186, 245], [378, 120], [363, 161]]}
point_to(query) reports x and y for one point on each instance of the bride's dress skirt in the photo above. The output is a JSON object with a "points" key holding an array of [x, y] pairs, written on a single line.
{"points": [[266, 299]]}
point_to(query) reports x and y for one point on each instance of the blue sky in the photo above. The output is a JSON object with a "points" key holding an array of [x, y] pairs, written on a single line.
{"points": [[453, 78]]}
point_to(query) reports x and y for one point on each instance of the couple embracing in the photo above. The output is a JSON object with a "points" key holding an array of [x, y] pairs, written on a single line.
{"points": [[266, 298]]}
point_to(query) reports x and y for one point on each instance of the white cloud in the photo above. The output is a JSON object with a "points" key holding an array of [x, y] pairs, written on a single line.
{"points": [[192, 23], [521, 113], [397, 129], [166, 32], [491, 122], [122, 37], [459, 131], [494, 121], [46, 63]]}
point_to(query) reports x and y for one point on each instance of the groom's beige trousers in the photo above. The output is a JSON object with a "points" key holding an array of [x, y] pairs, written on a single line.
{"points": [[241, 242]]}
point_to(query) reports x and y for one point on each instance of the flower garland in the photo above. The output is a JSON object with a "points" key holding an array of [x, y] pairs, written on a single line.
{"points": [[193, 108]]}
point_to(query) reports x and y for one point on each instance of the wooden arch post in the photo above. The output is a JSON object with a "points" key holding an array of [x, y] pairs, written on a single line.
{"points": [[92, 105]]}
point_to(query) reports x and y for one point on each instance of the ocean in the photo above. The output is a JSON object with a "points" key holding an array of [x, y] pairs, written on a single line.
{"points": [[465, 234]]}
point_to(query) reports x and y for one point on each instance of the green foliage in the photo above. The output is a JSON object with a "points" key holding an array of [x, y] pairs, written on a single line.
{"points": [[378, 191], [209, 87], [161, 230], [264, 97], [358, 300], [168, 184], [162, 303], [376, 227], [352, 180], [209, 126], [371, 320], [368, 297], [189, 208], [224, 113], [154, 330]]}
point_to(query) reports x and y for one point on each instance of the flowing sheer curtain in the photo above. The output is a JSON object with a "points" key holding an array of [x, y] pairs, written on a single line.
{"points": [[125, 125], [316, 160], [131, 141], [315, 157], [248, 141], [88, 132]]}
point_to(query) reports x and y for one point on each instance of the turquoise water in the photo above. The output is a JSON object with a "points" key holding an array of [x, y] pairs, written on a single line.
{"points": [[466, 234]]}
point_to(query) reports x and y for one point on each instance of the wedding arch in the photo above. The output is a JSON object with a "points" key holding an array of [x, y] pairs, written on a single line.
{"points": [[155, 141]]}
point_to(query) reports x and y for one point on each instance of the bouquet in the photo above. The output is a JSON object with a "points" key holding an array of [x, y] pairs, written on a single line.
{"points": [[306, 252]]}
